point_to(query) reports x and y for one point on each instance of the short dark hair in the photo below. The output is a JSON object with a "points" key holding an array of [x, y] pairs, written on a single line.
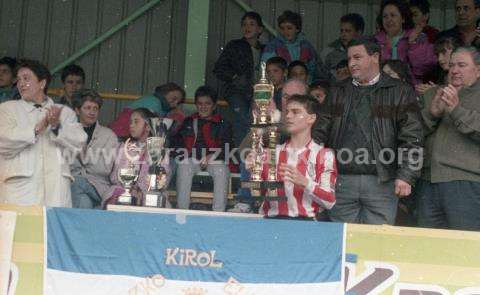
{"points": [[355, 19], [74, 70], [311, 105], [476, 2], [166, 88], [342, 64], [296, 63], [9, 61], [289, 16], [442, 43], [253, 15], [84, 95], [278, 61], [320, 84], [402, 8], [422, 5], [39, 69], [371, 46], [206, 91]]}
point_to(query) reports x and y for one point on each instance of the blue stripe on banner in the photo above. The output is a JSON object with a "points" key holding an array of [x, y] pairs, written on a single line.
{"points": [[194, 248]]}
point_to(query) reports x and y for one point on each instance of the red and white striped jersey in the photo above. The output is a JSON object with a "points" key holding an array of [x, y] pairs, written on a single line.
{"points": [[318, 165]]}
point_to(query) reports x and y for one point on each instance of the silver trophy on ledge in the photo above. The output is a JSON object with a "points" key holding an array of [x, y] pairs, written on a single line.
{"points": [[156, 195], [127, 177]]}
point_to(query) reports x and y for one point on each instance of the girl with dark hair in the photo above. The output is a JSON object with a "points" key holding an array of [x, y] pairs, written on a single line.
{"points": [[133, 153], [399, 40], [443, 47]]}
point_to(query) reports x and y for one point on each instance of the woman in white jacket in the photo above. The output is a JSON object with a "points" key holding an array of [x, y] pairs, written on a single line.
{"points": [[37, 140]]}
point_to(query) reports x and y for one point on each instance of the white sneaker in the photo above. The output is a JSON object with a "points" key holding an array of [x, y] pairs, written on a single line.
{"points": [[241, 208]]}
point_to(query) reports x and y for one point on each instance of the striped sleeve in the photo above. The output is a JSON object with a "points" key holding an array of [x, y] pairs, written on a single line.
{"points": [[322, 188]]}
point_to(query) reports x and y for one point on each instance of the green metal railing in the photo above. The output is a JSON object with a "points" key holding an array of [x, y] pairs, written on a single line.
{"points": [[106, 35]]}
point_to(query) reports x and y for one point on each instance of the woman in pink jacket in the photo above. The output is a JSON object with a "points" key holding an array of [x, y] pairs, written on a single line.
{"points": [[399, 40]]}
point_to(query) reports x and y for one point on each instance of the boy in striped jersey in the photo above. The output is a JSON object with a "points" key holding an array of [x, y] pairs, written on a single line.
{"points": [[307, 169]]}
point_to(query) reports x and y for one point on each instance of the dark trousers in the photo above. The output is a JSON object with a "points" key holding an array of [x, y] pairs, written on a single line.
{"points": [[452, 205], [240, 107], [364, 199]]}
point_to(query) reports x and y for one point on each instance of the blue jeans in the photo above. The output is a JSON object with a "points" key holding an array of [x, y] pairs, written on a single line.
{"points": [[453, 205], [363, 199], [244, 195], [240, 107], [84, 194]]}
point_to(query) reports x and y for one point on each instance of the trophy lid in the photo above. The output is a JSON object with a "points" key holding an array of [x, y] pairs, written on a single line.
{"points": [[263, 73]]}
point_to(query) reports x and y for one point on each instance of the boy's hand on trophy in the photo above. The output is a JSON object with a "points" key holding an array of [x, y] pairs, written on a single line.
{"points": [[291, 174], [250, 161]]}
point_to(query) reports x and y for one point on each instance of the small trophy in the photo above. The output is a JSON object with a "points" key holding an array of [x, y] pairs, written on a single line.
{"points": [[264, 140], [127, 176], [156, 195]]}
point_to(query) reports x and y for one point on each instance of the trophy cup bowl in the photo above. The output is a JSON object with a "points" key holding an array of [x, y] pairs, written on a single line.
{"points": [[127, 176], [156, 195], [155, 149]]}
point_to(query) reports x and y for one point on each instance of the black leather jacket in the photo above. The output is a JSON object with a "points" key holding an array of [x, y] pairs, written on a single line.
{"points": [[396, 126], [235, 67]]}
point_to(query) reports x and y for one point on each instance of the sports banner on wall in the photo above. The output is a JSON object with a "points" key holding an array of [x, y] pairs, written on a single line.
{"points": [[98, 252], [105, 252]]}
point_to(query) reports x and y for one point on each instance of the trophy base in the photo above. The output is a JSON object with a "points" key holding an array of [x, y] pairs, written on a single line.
{"points": [[155, 199], [265, 125], [265, 185], [127, 200]]}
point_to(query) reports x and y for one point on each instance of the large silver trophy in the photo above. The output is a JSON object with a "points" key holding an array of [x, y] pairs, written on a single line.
{"points": [[264, 140], [157, 194]]}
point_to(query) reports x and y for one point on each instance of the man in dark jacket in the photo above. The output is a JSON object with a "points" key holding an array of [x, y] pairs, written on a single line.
{"points": [[373, 122], [237, 67], [466, 14]]}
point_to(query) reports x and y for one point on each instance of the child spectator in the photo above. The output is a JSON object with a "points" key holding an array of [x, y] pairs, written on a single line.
{"points": [[8, 90], [307, 169], [164, 102], [201, 136], [443, 48], [420, 14], [397, 69], [351, 27], [298, 70], [73, 79], [319, 90], [238, 68], [291, 44], [276, 74], [341, 71], [133, 153]]}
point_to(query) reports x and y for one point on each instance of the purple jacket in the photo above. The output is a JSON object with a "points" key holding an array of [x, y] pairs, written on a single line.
{"points": [[419, 55]]}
